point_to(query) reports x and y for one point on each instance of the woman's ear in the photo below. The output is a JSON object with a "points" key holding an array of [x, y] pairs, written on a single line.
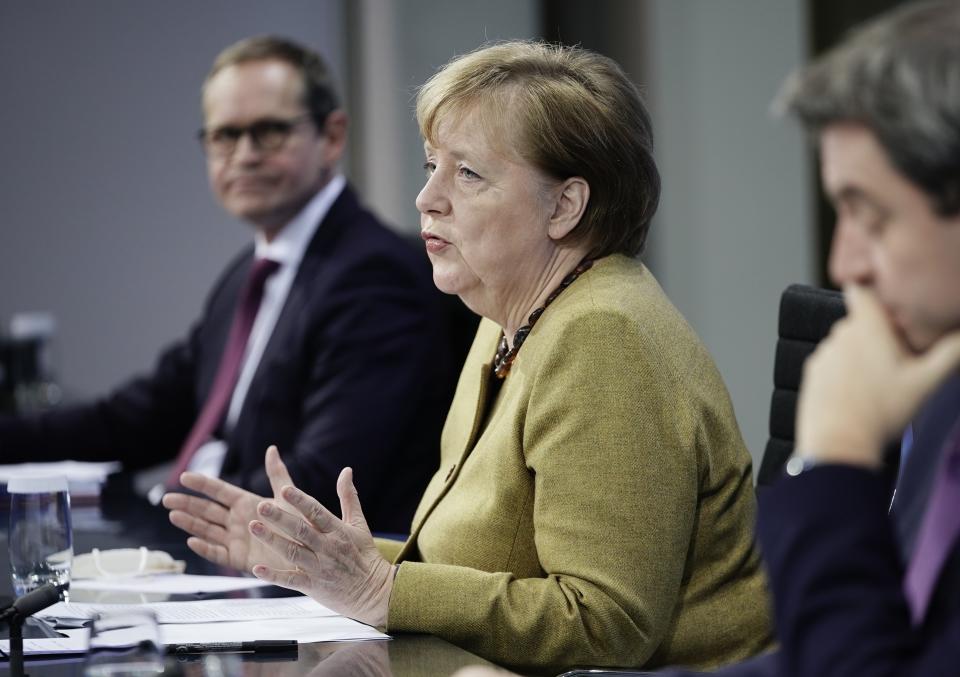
{"points": [[571, 201]]}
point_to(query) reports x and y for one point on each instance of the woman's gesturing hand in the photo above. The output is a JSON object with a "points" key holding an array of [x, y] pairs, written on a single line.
{"points": [[333, 561], [219, 524]]}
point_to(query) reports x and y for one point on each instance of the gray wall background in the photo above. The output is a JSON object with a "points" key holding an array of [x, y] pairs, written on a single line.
{"points": [[108, 223], [734, 226]]}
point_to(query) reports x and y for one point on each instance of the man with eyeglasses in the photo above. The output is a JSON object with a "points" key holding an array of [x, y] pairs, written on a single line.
{"points": [[323, 337]]}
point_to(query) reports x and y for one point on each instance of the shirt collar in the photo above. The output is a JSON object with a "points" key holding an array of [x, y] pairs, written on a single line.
{"points": [[289, 245]]}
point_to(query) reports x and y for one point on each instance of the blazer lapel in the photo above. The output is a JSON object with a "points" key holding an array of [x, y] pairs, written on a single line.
{"points": [[463, 428]]}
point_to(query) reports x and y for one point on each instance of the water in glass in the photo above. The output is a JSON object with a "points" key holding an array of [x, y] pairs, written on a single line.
{"points": [[40, 537]]}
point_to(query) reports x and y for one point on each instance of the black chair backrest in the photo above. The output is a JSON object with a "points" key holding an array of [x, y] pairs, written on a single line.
{"points": [[806, 315]]}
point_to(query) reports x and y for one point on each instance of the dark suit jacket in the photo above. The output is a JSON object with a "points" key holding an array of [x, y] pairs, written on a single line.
{"points": [[836, 563], [836, 575], [357, 372], [837, 578], [931, 430]]}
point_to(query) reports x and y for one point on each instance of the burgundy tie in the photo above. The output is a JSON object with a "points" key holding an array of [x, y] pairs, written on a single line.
{"points": [[229, 368], [938, 531]]}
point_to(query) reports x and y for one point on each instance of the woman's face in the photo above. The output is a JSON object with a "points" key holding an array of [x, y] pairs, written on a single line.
{"points": [[484, 215]]}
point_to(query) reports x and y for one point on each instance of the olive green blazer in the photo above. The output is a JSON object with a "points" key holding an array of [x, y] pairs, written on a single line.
{"points": [[599, 508]]}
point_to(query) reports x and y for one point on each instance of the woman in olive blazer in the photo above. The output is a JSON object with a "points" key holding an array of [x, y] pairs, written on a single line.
{"points": [[594, 502], [598, 509]]}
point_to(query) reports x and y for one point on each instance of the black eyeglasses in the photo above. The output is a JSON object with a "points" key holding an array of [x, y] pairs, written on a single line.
{"points": [[268, 135]]}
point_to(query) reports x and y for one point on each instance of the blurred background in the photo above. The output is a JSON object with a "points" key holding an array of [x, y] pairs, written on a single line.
{"points": [[108, 224]]}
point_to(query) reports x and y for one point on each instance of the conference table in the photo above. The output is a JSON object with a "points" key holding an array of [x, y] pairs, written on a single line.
{"points": [[122, 520]]}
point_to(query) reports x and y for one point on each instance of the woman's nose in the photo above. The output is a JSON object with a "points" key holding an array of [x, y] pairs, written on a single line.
{"points": [[432, 199]]}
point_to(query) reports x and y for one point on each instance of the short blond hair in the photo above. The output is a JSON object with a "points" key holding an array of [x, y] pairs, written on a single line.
{"points": [[568, 112]]}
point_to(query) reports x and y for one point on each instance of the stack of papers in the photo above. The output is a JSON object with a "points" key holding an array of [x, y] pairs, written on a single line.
{"points": [[320, 629], [204, 621], [85, 479], [169, 584], [198, 611]]}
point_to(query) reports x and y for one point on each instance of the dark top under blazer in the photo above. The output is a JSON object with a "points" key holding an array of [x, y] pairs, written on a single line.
{"points": [[357, 372]]}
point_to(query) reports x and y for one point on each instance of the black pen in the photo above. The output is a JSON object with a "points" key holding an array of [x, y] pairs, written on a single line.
{"points": [[258, 646]]}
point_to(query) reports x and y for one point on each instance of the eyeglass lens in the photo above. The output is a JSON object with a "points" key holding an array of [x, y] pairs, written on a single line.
{"points": [[268, 135]]}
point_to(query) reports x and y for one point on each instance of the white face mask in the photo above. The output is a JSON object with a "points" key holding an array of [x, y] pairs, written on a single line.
{"points": [[125, 562]]}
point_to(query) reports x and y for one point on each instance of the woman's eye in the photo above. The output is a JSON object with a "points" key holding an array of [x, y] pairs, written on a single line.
{"points": [[429, 167], [468, 173]]}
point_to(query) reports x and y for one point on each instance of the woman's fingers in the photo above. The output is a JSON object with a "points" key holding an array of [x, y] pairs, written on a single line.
{"points": [[217, 554], [321, 518], [291, 551], [286, 578], [292, 526], [350, 500], [198, 527], [277, 471], [213, 487], [197, 507]]}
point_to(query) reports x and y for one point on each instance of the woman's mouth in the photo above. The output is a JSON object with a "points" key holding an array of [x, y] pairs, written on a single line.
{"points": [[434, 244]]}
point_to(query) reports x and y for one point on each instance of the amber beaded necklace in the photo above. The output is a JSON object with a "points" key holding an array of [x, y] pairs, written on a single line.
{"points": [[505, 356]]}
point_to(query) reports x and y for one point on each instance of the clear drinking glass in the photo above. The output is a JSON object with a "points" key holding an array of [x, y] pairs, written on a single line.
{"points": [[40, 537], [124, 644]]}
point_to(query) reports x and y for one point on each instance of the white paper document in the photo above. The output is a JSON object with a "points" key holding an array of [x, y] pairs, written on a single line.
{"points": [[315, 629], [76, 641], [169, 584], [74, 471], [201, 611], [323, 629]]}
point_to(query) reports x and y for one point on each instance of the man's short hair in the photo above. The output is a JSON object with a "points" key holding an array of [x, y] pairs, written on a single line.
{"points": [[319, 94], [899, 76]]}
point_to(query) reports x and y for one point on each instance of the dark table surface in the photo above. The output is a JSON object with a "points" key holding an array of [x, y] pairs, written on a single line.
{"points": [[123, 521]]}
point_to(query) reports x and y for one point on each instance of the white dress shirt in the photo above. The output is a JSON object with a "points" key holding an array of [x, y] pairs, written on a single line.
{"points": [[287, 248]]}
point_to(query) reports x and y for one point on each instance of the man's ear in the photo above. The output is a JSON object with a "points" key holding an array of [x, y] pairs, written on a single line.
{"points": [[334, 133], [570, 202]]}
